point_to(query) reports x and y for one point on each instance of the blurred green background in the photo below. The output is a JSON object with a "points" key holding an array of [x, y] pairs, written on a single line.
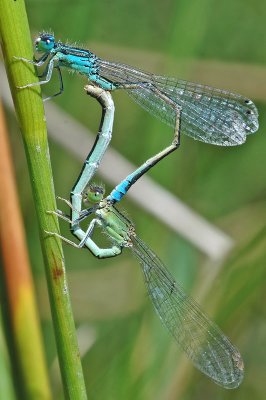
{"points": [[128, 354]]}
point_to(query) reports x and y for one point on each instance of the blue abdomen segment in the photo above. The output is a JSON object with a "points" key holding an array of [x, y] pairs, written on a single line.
{"points": [[85, 63], [119, 191], [122, 188]]}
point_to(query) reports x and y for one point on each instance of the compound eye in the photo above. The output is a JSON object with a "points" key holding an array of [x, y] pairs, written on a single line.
{"points": [[44, 43]]}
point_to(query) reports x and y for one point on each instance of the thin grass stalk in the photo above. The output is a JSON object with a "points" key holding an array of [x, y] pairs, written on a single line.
{"points": [[16, 41]]}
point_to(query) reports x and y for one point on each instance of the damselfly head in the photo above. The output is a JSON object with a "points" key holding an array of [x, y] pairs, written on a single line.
{"points": [[93, 194], [44, 43]]}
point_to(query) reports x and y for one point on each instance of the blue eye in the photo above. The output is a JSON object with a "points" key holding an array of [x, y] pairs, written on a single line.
{"points": [[44, 43]]}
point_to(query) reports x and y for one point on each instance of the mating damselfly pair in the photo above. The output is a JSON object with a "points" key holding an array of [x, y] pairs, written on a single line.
{"points": [[212, 115]]}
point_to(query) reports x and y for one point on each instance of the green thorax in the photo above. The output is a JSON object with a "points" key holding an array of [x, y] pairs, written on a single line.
{"points": [[118, 227]]}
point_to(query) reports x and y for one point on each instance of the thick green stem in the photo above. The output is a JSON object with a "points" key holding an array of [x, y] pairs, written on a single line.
{"points": [[16, 41]]}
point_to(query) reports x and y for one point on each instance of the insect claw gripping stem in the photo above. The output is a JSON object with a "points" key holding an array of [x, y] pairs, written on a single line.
{"points": [[65, 201], [60, 214]]}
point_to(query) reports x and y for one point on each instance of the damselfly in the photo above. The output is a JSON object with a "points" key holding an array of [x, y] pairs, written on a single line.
{"points": [[200, 338], [211, 115]]}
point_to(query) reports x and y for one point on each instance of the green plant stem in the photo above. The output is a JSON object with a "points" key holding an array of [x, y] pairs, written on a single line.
{"points": [[16, 41]]}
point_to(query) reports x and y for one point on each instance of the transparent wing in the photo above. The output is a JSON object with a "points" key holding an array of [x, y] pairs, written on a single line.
{"points": [[201, 339], [211, 115]]}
